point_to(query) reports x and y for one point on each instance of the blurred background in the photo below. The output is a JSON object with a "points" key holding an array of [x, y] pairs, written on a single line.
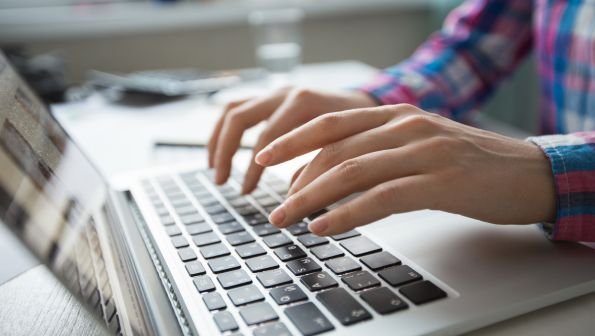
{"points": [[67, 38]]}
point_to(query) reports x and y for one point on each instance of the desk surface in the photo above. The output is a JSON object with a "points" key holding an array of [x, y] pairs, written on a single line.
{"points": [[120, 139]]}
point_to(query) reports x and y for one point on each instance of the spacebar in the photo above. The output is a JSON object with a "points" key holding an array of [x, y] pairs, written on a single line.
{"points": [[343, 306]]}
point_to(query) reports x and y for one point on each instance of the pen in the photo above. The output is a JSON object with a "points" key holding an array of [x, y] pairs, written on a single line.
{"points": [[188, 144]]}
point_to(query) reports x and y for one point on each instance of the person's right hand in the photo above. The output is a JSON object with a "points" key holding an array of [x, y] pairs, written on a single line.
{"points": [[285, 110]]}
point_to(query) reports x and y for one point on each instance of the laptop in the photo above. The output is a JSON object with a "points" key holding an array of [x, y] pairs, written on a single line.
{"points": [[171, 253]]}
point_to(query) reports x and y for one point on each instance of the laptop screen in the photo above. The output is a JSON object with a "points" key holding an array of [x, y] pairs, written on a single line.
{"points": [[51, 195]]}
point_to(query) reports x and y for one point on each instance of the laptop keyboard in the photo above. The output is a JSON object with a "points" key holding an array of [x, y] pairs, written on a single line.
{"points": [[348, 274], [84, 273]]}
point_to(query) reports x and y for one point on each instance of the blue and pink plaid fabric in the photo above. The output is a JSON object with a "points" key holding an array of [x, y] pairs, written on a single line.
{"points": [[482, 42]]}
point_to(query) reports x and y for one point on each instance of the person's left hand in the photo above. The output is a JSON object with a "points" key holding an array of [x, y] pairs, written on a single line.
{"points": [[405, 159]]}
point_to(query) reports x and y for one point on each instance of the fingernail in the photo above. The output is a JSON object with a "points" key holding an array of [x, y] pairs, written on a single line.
{"points": [[264, 157], [278, 215], [319, 225]]}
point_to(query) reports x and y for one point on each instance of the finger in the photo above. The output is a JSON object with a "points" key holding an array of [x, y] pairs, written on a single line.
{"points": [[401, 195], [351, 176], [321, 131], [212, 144], [297, 174], [235, 123], [390, 135], [287, 117], [254, 171]]}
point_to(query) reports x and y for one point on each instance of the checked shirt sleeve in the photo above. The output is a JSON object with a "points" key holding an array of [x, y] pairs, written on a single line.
{"points": [[458, 67], [572, 158]]}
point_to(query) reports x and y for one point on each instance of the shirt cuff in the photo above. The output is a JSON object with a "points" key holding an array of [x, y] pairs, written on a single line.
{"points": [[573, 222]]}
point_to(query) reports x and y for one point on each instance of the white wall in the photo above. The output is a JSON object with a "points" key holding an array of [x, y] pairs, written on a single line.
{"points": [[380, 39]]}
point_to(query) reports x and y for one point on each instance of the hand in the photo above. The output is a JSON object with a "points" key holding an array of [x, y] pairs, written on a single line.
{"points": [[285, 110], [405, 159]]}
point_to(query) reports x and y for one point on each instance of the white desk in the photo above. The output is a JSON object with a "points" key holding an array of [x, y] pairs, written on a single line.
{"points": [[120, 139]]}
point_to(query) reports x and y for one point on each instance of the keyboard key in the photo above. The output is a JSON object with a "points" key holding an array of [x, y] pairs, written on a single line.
{"points": [[192, 219], [234, 279], [110, 309], [173, 230], [310, 240], [240, 238], [345, 235], [308, 319], [317, 214], [222, 218], [256, 219], [303, 266], [399, 275], [276, 240], [360, 246], [206, 199], [245, 295], [229, 195], [214, 251], [247, 210], [422, 292], [161, 211], [327, 251], [179, 241], [180, 202], [223, 264], [290, 252], [360, 280], [199, 228], [262, 263], [167, 220], [239, 202], [250, 250], [195, 268], [215, 209], [267, 201], [203, 284], [225, 189], [280, 188], [383, 300], [204, 239], [214, 301], [186, 254], [342, 265], [273, 278], [343, 306], [259, 193], [225, 321], [265, 229], [318, 281], [272, 329], [270, 208], [298, 228], [287, 294], [230, 227], [114, 325], [378, 261], [186, 210], [258, 313]]}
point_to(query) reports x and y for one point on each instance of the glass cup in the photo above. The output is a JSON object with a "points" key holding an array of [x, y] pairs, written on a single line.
{"points": [[278, 39]]}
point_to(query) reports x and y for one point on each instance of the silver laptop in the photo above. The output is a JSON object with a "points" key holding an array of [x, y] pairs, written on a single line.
{"points": [[172, 253]]}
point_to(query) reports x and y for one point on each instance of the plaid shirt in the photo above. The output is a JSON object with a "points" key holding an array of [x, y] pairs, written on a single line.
{"points": [[482, 42]]}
